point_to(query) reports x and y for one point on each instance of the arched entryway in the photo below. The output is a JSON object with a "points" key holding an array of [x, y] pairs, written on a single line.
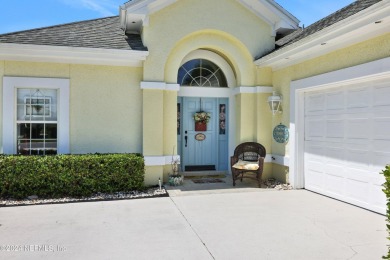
{"points": [[205, 79]]}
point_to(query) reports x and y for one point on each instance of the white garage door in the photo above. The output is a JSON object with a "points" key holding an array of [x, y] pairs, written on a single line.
{"points": [[347, 143]]}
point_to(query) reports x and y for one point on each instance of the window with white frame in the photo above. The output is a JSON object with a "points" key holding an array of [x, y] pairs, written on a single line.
{"points": [[36, 121], [39, 122]]}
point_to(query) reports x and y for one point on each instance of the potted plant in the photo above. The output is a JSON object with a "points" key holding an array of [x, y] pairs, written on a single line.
{"points": [[175, 179], [201, 119]]}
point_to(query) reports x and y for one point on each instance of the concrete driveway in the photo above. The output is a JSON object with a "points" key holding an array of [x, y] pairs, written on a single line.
{"points": [[257, 224]]}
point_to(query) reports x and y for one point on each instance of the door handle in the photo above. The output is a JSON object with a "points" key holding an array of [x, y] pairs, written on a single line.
{"points": [[186, 139]]}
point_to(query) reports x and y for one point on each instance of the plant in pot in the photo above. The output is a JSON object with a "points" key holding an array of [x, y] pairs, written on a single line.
{"points": [[175, 179], [201, 119]]}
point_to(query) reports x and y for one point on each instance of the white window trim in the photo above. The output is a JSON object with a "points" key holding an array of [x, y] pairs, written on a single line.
{"points": [[362, 74], [10, 85]]}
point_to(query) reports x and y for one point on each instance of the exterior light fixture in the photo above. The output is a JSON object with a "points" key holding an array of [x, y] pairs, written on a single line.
{"points": [[275, 103]]}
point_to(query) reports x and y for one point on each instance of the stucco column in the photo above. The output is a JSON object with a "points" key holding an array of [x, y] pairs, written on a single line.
{"points": [[153, 122], [152, 129], [170, 126], [159, 128], [246, 117]]}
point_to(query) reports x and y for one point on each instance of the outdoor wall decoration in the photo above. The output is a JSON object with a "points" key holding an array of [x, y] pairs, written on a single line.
{"points": [[281, 134], [222, 119], [200, 137], [201, 119]]}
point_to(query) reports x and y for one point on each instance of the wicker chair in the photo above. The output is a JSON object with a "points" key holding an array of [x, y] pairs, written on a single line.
{"points": [[252, 152]]}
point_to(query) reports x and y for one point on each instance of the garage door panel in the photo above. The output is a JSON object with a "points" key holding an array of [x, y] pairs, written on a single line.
{"points": [[357, 144], [358, 128], [314, 181], [377, 200], [334, 172], [381, 146], [315, 104], [358, 175], [334, 186], [335, 156], [335, 102], [357, 98], [314, 166], [381, 128], [381, 96], [315, 129], [377, 179], [357, 191], [335, 129], [315, 148], [379, 160], [347, 143], [358, 159]]}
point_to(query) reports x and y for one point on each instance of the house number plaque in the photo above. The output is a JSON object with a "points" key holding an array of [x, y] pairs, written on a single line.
{"points": [[281, 134], [200, 137]]}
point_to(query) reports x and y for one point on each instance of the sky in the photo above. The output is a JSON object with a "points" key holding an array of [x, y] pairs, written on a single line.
{"points": [[17, 15]]}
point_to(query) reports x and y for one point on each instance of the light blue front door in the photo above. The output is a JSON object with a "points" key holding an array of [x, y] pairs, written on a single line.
{"points": [[209, 152]]}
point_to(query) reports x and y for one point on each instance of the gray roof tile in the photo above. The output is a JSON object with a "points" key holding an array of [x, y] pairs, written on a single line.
{"points": [[331, 19], [102, 33]]}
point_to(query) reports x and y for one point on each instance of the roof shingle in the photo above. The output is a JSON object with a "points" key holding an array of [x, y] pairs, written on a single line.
{"points": [[102, 33], [331, 19]]}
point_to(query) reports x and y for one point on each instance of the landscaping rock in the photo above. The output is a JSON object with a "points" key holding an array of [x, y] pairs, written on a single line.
{"points": [[32, 197], [277, 185], [34, 200]]}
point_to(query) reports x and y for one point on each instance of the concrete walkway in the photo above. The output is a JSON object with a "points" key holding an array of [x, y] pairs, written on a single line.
{"points": [[256, 224]]}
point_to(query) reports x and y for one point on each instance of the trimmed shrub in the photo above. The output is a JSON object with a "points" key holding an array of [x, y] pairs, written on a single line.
{"points": [[56, 176], [386, 190]]}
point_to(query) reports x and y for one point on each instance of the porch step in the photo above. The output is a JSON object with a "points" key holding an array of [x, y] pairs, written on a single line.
{"points": [[203, 173]]}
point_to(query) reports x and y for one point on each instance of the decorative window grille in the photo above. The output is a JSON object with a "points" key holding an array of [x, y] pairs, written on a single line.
{"points": [[201, 73]]}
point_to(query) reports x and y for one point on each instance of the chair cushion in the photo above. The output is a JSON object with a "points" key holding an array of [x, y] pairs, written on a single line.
{"points": [[245, 165]]}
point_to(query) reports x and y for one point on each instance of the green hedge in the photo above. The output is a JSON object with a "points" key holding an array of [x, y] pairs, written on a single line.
{"points": [[69, 175], [386, 190]]}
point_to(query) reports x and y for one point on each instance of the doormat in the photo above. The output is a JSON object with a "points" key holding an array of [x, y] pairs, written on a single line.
{"points": [[208, 180], [193, 168]]}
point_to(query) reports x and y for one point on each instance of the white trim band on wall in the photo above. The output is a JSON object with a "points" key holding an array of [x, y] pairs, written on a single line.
{"points": [[253, 90], [277, 159], [159, 86], [160, 160]]}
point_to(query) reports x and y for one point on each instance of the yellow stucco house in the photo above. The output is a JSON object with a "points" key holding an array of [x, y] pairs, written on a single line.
{"points": [[132, 83]]}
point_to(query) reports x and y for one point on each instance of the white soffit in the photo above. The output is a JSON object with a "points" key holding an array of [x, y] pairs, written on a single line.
{"points": [[135, 14], [272, 13], [57, 54], [362, 26]]}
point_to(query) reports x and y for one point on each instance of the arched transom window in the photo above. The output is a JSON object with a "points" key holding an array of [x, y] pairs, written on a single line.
{"points": [[201, 73]]}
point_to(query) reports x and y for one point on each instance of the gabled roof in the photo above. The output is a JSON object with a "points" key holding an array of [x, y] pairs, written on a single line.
{"points": [[331, 19], [135, 14], [355, 23], [103, 33]]}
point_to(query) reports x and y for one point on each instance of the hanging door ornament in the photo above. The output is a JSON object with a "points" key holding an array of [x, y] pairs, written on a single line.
{"points": [[201, 119]]}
